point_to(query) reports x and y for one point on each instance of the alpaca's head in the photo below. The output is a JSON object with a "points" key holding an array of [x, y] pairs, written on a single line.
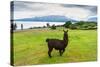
{"points": [[65, 38], [65, 32]]}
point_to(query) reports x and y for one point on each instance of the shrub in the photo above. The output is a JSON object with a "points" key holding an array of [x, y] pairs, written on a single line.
{"points": [[73, 26], [53, 27], [67, 24]]}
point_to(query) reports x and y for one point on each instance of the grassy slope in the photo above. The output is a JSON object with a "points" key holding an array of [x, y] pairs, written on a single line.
{"points": [[30, 46]]}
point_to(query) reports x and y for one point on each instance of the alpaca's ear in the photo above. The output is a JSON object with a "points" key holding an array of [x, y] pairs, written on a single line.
{"points": [[63, 30], [66, 30]]}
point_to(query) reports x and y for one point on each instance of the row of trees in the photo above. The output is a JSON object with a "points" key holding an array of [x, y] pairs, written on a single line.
{"points": [[68, 24], [85, 25], [52, 27], [14, 26], [81, 25], [48, 26]]}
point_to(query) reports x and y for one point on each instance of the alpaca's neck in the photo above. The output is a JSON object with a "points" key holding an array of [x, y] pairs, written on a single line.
{"points": [[65, 39]]}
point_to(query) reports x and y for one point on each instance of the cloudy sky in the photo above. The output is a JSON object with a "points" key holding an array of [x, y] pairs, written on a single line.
{"points": [[32, 9]]}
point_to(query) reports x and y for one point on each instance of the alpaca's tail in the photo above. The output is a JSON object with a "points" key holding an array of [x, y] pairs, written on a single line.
{"points": [[47, 40]]}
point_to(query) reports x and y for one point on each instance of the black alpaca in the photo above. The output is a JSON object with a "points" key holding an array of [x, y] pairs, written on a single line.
{"points": [[58, 44]]}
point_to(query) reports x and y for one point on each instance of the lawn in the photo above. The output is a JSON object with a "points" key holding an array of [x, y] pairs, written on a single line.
{"points": [[30, 46]]}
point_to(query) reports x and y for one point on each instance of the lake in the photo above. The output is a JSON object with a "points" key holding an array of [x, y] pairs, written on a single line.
{"points": [[28, 24]]}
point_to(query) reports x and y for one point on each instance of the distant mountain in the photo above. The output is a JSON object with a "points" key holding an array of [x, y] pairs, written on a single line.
{"points": [[94, 19], [50, 18]]}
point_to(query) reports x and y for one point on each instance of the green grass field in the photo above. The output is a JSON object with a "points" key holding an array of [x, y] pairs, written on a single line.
{"points": [[30, 46]]}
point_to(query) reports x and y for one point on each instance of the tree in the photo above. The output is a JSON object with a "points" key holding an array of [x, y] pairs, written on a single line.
{"points": [[53, 27], [21, 26], [80, 23], [67, 24], [85, 25], [73, 26], [48, 25], [44, 26], [13, 26]]}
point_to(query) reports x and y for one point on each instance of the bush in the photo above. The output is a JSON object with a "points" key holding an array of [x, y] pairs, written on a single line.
{"points": [[53, 27], [31, 28], [86, 25], [73, 26], [67, 24], [44, 26]]}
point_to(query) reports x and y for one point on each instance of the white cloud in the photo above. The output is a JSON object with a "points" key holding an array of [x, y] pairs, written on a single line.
{"points": [[43, 9]]}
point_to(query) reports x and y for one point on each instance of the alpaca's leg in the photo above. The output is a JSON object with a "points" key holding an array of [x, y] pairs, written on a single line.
{"points": [[63, 51], [60, 52], [49, 52]]}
